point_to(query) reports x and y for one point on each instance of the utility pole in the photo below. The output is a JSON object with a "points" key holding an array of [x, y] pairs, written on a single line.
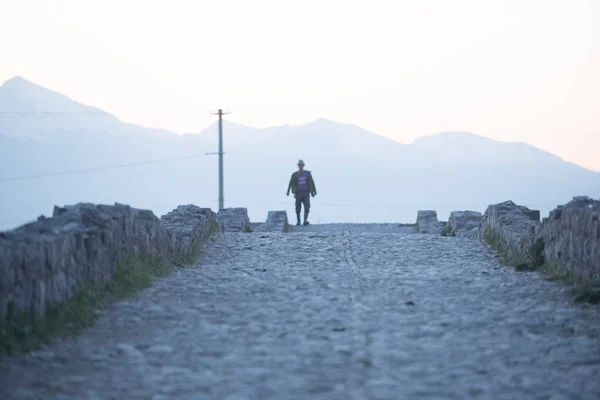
{"points": [[220, 113]]}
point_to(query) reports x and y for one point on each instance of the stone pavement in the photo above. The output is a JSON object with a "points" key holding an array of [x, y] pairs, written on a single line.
{"points": [[329, 312]]}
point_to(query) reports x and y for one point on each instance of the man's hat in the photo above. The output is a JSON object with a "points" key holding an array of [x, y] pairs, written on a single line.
{"points": [[300, 162]]}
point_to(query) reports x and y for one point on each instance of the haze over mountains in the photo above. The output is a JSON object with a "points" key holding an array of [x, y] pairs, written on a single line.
{"points": [[360, 176]]}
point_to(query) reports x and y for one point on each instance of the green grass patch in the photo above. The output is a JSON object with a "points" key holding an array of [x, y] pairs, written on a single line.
{"points": [[447, 231], [213, 226], [196, 250], [23, 332], [582, 291], [492, 239], [531, 260], [552, 272], [588, 292], [247, 229], [191, 256]]}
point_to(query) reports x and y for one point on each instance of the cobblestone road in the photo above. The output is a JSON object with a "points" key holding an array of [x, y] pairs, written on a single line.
{"points": [[329, 312]]}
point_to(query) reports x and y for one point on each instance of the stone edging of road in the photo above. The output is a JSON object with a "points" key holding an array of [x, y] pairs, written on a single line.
{"points": [[57, 273], [563, 246]]}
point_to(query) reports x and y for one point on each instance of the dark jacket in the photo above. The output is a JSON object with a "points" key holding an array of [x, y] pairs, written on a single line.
{"points": [[312, 189]]}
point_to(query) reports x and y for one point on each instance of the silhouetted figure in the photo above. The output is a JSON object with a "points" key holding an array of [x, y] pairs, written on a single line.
{"points": [[302, 185]]}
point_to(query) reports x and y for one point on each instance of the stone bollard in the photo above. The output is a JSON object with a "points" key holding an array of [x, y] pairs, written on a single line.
{"points": [[464, 224], [277, 221], [234, 219], [427, 222]]}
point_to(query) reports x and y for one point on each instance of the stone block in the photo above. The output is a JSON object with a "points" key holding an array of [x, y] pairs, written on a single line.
{"points": [[465, 223], [234, 219], [571, 238], [277, 221], [510, 228], [427, 222]]}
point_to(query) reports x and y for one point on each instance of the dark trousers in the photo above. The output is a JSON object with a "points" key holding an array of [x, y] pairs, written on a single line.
{"points": [[302, 198]]}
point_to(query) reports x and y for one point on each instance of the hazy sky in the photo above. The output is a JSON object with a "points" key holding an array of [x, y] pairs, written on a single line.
{"points": [[526, 70]]}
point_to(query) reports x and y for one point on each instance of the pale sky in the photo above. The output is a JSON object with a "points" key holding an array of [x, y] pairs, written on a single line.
{"points": [[512, 70]]}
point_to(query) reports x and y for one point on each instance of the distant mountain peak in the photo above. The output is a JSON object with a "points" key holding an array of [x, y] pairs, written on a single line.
{"points": [[454, 135], [19, 95], [22, 85], [18, 79], [18, 84], [325, 120], [35, 111], [329, 122], [478, 148]]}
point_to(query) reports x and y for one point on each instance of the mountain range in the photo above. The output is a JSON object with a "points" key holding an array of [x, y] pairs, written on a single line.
{"points": [[55, 151]]}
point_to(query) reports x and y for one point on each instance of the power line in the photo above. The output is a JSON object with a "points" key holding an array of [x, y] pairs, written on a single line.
{"points": [[28, 114], [78, 171]]}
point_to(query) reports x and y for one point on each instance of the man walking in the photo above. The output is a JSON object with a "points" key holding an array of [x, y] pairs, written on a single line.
{"points": [[302, 185]]}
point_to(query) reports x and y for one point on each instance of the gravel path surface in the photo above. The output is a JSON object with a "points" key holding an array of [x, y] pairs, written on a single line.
{"points": [[329, 312]]}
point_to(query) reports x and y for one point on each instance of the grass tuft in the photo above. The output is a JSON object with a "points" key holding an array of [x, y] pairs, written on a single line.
{"points": [[191, 257], [534, 260], [213, 226], [21, 332], [587, 294], [447, 231], [24, 332]]}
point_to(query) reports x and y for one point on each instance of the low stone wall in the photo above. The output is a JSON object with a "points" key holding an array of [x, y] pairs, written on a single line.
{"points": [[190, 226], [234, 219], [48, 261], [571, 239], [510, 228]]}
